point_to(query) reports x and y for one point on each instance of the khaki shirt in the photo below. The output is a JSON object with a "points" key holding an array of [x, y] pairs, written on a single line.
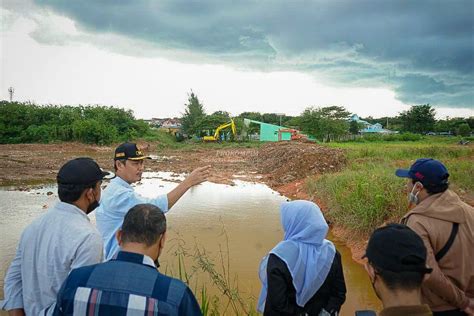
{"points": [[451, 283]]}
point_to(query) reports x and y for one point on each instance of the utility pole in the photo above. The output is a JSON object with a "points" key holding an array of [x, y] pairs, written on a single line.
{"points": [[11, 91], [280, 115]]}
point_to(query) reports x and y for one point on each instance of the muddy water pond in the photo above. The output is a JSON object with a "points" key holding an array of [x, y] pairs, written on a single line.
{"points": [[233, 226]]}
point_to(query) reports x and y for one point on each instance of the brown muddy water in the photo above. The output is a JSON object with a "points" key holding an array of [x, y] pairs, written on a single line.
{"points": [[235, 226]]}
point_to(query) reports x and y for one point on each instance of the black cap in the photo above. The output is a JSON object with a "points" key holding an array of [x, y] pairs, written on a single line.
{"points": [[426, 170], [80, 171], [129, 151], [397, 248]]}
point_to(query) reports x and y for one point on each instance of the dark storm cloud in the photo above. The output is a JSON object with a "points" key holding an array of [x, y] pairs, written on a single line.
{"points": [[424, 50]]}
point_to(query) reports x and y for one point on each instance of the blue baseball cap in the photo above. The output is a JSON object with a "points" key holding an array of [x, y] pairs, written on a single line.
{"points": [[426, 170]]}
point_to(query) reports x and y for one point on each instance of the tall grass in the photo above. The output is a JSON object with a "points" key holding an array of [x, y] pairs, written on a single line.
{"points": [[367, 193], [361, 199]]}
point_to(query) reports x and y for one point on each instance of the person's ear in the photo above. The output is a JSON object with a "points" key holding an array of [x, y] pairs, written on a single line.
{"points": [[118, 236], [418, 186], [119, 164], [89, 194], [162, 240], [427, 275], [370, 271]]}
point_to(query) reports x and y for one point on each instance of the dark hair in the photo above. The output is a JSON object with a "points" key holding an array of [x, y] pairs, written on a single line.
{"points": [[69, 193], [433, 188], [405, 280], [124, 161], [144, 223]]}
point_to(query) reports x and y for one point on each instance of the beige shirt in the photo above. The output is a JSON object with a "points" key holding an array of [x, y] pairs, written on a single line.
{"points": [[452, 281]]}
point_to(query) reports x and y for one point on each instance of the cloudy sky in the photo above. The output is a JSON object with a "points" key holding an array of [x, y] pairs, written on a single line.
{"points": [[373, 57]]}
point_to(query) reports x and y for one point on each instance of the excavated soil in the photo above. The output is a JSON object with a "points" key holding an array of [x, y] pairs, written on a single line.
{"points": [[281, 165], [285, 162]]}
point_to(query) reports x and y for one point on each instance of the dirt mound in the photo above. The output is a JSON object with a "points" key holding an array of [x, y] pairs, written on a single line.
{"points": [[284, 162]]}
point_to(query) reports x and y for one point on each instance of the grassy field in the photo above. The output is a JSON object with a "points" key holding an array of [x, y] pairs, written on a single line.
{"points": [[367, 193]]}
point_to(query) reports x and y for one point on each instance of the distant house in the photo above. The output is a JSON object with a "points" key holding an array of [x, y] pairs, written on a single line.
{"points": [[155, 122], [171, 125], [370, 128], [275, 133]]}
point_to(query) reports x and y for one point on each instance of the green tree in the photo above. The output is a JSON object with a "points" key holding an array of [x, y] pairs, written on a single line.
{"points": [[470, 121], [325, 123], [419, 119], [208, 124], [464, 130], [354, 127], [193, 115], [27, 122]]}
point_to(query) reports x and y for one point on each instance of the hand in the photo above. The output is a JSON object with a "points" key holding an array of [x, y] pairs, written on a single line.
{"points": [[470, 308], [16, 312], [198, 175]]}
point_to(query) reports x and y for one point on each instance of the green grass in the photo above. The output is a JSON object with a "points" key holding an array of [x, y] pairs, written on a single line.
{"points": [[367, 193]]}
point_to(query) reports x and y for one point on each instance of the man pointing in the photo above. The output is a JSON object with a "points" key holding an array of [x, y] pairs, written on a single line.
{"points": [[119, 196]]}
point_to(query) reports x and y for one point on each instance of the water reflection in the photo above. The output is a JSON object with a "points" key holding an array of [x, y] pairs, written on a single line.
{"points": [[248, 212]]}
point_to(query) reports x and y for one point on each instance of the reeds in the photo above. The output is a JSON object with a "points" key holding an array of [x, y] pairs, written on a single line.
{"points": [[202, 272]]}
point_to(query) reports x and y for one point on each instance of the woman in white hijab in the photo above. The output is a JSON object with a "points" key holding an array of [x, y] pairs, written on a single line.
{"points": [[303, 274]]}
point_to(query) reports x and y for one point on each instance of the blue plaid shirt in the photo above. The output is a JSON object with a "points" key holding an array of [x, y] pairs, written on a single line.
{"points": [[130, 284]]}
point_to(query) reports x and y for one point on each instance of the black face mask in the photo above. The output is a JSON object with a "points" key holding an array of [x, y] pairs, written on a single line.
{"points": [[93, 206]]}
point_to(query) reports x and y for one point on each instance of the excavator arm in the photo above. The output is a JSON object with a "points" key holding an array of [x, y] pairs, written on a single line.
{"points": [[220, 128]]}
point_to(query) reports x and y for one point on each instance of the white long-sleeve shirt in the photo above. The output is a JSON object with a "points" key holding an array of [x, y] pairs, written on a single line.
{"points": [[115, 202], [50, 247]]}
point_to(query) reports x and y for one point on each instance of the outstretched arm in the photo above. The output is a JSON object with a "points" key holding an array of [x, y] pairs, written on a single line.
{"points": [[198, 176]]}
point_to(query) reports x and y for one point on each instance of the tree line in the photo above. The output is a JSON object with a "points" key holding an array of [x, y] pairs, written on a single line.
{"points": [[30, 123], [25, 122], [324, 123]]}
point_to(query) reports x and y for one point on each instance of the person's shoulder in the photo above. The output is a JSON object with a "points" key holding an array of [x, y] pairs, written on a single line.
{"points": [[36, 228], [176, 289], [275, 259], [337, 261], [80, 276], [172, 282], [113, 191]]}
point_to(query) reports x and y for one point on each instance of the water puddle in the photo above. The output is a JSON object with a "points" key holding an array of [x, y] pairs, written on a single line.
{"points": [[242, 219]]}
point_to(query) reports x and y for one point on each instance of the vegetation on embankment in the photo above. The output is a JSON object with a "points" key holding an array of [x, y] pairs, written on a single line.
{"points": [[31, 123], [366, 193]]}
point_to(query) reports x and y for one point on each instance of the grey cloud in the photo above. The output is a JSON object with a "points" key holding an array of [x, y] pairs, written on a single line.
{"points": [[424, 50]]}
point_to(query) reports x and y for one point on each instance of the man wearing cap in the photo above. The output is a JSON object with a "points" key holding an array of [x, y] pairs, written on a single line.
{"points": [[58, 241], [119, 196], [396, 267], [446, 226]]}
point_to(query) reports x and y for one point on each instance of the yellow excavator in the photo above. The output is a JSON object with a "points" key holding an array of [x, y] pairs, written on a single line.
{"points": [[215, 137]]}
